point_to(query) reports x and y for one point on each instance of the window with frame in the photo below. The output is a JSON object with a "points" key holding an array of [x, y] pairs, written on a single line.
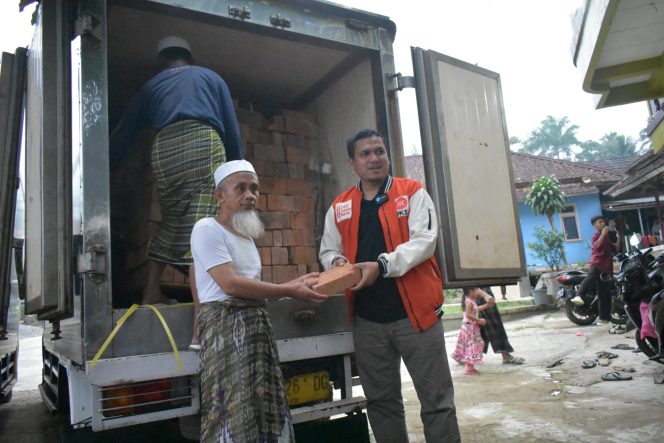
{"points": [[569, 220]]}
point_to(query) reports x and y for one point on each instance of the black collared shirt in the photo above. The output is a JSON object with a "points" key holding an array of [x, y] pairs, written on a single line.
{"points": [[381, 301]]}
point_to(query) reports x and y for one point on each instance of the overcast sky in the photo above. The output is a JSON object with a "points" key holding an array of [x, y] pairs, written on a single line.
{"points": [[526, 41]]}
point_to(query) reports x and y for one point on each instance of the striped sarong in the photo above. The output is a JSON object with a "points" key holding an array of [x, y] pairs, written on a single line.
{"points": [[242, 390], [184, 158]]}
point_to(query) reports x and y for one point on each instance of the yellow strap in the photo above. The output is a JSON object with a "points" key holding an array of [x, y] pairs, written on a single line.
{"points": [[121, 322], [170, 336]]}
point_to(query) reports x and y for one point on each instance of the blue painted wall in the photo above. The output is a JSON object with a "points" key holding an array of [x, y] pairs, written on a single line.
{"points": [[576, 251]]}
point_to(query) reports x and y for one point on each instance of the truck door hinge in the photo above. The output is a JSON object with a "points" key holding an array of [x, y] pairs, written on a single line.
{"points": [[401, 81], [89, 25], [93, 262]]}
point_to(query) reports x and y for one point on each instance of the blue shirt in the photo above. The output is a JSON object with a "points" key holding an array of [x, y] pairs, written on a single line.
{"points": [[180, 93]]}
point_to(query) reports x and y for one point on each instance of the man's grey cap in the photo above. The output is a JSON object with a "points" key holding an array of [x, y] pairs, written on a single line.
{"points": [[173, 41]]}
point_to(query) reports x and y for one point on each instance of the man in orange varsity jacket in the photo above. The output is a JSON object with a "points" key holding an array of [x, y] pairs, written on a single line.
{"points": [[387, 226]]}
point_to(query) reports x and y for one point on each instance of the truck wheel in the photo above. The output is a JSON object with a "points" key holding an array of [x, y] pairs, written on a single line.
{"points": [[6, 397]]}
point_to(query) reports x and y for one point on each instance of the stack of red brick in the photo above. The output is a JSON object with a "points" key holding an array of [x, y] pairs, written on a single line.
{"points": [[279, 149]]}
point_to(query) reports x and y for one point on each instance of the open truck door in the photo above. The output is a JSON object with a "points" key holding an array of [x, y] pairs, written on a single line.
{"points": [[468, 170], [48, 166], [12, 82]]}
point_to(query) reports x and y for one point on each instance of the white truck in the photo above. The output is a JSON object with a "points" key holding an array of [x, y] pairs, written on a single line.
{"points": [[305, 76]]}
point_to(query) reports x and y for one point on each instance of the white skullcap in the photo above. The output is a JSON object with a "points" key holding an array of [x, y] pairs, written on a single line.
{"points": [[172, 41], [232, 167]]}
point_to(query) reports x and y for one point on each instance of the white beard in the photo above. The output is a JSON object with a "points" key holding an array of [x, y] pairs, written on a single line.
{"points": [[248, 224]]}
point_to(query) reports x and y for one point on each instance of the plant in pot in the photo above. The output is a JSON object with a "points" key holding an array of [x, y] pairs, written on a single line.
{"points": [[546, 198]]}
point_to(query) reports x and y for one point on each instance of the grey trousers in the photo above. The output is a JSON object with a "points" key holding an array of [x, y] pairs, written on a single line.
{"points": [[379, 348]]}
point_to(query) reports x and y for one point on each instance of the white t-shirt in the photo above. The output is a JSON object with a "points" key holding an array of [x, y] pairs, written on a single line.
{"points": [[213, 245]]}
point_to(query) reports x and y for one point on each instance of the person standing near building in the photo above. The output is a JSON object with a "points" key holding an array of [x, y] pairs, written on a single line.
{"points": [[387, 227], [242, 388], [191, 110]]}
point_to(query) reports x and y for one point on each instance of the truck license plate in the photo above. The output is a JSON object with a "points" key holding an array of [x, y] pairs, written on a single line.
{"points": [[307, 388]]}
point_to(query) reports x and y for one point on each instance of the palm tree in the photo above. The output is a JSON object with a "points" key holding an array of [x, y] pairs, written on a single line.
{"points": [[554, 138]]}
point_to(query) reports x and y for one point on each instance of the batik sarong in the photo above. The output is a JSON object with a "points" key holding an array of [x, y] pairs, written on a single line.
{"points": [[242, 390], [184, 158]]}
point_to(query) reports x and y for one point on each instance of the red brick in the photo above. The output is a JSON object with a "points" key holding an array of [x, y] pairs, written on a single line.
{"points": [[279, 169], [302, 220], [302, 255], [282, 274], [295, 171], [266, 256], [276, 124], [308, 205], [266, 273], [269, 153], [313, 267], [300, 187], [297, 156], [295, 122], [286, 203], [273, 185], [275, 219], [264, 137], [277, 238], [250, 118], [337, 278], [261, 167], [261, 204], [265, 239], [301, 270], [279, 256], [297, 237], [295, 140]]}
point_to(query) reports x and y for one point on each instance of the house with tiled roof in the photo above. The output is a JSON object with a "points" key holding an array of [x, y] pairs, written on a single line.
{"points": [[582, 183]]}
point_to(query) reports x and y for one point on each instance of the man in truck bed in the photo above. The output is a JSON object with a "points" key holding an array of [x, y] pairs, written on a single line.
{"points": [[387, 226], [191, 110]]}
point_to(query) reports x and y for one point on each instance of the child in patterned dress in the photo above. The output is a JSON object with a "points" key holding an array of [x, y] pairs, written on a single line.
{"points": [[470, 346]]}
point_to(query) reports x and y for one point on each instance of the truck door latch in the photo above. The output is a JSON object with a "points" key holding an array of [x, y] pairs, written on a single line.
{"points": [[401, 81], [93, 262], [243, 13]]}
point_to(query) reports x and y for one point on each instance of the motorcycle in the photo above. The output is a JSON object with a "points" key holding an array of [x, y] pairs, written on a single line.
{"points": [[640, 284], [586, 313]]}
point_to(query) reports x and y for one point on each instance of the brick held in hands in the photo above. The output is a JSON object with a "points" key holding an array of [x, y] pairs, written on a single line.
{"points": [[337, 278]]}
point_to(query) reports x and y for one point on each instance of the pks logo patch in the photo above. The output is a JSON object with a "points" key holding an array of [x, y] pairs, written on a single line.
{"points": [[343, 210], [403, 205]]}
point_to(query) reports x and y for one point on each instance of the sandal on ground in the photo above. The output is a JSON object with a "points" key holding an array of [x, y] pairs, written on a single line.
{"points": [[617, 330], [195, 347], [473, 372], [624, 368], [615, 376], [512, 360], [604, 354], [555, 362], [623, 347], [587, 364]]}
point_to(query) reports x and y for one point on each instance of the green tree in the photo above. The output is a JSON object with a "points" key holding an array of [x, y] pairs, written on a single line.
{"points": [[546, 198], [554, 138], [550, 247], [611, 146]]}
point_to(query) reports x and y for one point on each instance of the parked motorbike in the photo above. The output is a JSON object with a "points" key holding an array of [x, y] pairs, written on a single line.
{"points": [[586, 313], [640, 284]]}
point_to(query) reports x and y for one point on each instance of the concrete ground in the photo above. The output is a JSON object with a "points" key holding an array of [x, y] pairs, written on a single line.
{"points": [[505, 403], [565, 403]]}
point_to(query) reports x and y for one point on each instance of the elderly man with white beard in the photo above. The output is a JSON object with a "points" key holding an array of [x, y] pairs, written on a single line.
{"points": [[242, 389]]}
